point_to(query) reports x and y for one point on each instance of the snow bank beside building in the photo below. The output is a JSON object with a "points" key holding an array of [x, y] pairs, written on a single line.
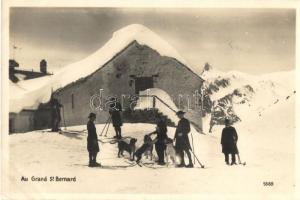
{"points": [[147, 102]]}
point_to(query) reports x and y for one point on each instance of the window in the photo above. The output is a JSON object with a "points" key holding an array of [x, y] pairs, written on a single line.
{"points": [[143, 83]]}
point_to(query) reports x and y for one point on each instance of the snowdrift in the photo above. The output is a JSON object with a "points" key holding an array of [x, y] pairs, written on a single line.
{"points": [[85, 67], [265, 143], [147, 102]]}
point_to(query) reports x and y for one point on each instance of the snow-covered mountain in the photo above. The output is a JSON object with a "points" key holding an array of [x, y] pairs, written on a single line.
{"points": [[238, 95]]}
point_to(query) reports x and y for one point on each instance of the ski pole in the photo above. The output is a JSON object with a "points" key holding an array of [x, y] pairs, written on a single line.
{"points": [[202, 166], [240, 162], [193, 145], [239, 158], [104, 126], [238, 154], [107, 127]]}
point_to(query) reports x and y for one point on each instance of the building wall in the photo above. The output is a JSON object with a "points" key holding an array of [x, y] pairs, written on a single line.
{"points": [[116, 78], [21, 122]]}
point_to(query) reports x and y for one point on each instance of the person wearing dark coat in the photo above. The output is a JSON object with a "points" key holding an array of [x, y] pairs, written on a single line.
{"points": [[160, 146], [229, 139], [182, 143], [55, 114], [92, 141], [115, 110]]}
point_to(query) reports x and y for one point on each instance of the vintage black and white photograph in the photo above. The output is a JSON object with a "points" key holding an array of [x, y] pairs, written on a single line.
{"points": [[153, 100]]}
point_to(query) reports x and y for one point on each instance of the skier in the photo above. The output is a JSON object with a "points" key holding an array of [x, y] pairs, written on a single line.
{"points": [[55, 114], [160, 146], [92, 141], [228, 141], [115, 110], [182, 143]]}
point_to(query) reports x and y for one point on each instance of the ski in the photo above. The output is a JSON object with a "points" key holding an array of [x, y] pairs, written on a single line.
{"points": [[242, 163], [49, 131], [70, 131], [152, 166], [112, 140], [134, 163], [107, 141]]}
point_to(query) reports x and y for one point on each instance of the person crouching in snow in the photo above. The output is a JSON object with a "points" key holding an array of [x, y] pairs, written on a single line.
{"points": [[181, 138], [228, 141], [92, 141]]}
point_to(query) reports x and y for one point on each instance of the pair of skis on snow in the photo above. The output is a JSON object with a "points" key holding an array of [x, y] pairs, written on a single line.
{"points": [[142, 164], [64, 131]]}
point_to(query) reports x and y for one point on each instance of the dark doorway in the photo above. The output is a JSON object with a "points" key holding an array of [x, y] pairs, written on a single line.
{"points": [[143, 83], [11, 126]]}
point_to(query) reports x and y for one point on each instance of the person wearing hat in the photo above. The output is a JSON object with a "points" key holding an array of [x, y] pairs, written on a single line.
{"points": [[115, 110], [182, 143], [228, 141], [92, 141]]}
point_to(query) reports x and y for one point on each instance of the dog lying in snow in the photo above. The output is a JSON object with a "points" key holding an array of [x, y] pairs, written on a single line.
{"points": [[124, 146], [170, 152]]}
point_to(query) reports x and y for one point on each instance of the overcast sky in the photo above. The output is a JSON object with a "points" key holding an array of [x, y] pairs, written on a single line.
{"points": [[249, 40]]}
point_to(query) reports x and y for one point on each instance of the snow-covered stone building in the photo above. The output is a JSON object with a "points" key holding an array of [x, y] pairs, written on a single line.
{"points": [[133, 60]]}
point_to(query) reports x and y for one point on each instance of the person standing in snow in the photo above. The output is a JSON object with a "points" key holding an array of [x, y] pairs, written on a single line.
{"points": [[229, 139], [160, 146], [115, 110], [182, 143], [92, 141], [55, 114]]}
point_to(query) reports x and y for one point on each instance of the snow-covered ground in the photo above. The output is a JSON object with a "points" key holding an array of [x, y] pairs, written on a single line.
{"points": [[266, 143]]}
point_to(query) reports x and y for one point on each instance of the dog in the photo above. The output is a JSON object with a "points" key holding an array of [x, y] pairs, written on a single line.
{"points": [[124, 146], [149, 151], [147, 146], [170, 152]]}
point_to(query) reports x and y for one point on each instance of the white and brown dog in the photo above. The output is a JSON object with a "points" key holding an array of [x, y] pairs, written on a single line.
{"points": [[170, 152]]}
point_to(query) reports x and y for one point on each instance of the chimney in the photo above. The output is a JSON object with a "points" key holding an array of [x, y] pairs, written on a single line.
{"points": [[43, 66]]}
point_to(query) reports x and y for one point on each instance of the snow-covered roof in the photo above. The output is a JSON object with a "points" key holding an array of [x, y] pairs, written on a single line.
{"points": [[120, 39], [73, 72]]}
